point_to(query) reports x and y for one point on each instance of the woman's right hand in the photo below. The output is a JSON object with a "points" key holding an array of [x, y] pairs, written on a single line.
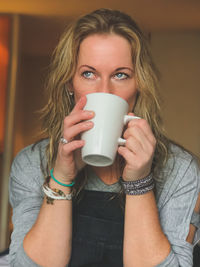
{"points": [[68, 161]]}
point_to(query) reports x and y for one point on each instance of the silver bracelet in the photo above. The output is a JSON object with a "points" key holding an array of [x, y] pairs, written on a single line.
{"points": [[138, 187]]}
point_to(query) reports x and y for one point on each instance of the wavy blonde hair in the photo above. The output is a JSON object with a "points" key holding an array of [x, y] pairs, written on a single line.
{"points": [[62, 69]]}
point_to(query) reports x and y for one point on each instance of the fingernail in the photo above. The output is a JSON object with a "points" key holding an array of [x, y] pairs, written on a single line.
{"points": [[89, 123], [89, 113]]}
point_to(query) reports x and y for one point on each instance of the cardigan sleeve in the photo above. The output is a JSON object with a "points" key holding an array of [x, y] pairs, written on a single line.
{"points": [[176, 212]]}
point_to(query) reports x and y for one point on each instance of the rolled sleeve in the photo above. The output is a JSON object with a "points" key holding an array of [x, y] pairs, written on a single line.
{"points": [[26, 198], [176, 206]]}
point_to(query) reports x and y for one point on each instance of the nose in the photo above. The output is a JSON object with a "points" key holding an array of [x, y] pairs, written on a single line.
{"points": [[105, 86]]}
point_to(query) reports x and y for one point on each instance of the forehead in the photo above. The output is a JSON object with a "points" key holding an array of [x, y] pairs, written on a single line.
{"points": [[105, 47]]}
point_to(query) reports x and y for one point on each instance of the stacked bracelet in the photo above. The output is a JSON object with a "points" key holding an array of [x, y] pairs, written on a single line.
{"points": [[52, 194], [58, 182], [138, 187]]}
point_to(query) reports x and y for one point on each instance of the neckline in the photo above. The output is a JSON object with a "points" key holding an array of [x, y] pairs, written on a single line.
{"points": [[92, 174]]}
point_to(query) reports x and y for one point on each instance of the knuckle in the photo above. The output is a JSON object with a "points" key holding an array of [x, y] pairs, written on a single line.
{"points": [[135, 122], [142, 122], [126, 134], [129, 141], [131, 123]]}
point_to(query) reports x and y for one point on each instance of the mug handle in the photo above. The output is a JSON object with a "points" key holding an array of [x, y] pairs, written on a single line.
{"points": [[127, 118]]}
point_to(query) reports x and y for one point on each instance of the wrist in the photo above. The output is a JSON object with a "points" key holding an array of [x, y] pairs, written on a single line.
{"points": [[55, 185], [133, 177], [57, 193], [138, 187], [61, 181]]}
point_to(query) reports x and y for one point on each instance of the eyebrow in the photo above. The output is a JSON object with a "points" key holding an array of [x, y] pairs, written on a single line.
{"points": [[118, 69], [122, 68], [87, 66]]}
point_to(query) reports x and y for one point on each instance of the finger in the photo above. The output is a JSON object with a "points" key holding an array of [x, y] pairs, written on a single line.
{"points": [[138, 134], [141, 154], [80, 104], [137, 162], [133, 145], [135, 167], [71, 146], [76, 129], [144, 126], [129, 156], [77, 117]]}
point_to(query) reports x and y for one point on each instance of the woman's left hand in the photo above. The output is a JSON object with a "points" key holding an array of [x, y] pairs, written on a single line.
{"points": [[138, 151]]}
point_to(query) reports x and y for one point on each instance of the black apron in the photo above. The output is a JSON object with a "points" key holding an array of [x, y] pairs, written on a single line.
{"points": [[98, 229]]}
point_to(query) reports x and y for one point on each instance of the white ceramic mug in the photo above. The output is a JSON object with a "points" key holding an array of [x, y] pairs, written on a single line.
{"points": [[102, 141]]}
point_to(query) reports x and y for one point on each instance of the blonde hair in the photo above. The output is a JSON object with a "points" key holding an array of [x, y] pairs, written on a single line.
{"points": [[102, 21]]}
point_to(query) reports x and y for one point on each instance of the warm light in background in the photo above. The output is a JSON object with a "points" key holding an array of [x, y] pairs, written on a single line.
{"points": [[4, 60]]}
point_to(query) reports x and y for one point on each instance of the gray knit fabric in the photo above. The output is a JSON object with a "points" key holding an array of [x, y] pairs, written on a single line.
{"points": [[176, 197]]}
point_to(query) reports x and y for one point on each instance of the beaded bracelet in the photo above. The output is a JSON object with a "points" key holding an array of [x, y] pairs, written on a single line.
{"points": [[138, 187], [58, 182], [52, 194]]}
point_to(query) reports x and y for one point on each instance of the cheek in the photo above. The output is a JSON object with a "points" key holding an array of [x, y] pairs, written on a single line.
{"points": [[76, 83], [131, 101], [77, 97], [79, 89], [131, 98], [130, 94]]}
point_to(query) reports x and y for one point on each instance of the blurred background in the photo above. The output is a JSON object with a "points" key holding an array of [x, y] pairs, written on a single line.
{"points": [[30, 30]]}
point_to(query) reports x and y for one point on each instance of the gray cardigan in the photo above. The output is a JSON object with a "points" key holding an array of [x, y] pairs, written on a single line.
{"points": [[176, 197]]}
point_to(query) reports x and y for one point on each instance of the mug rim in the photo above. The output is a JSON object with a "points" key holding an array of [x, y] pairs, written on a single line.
{"points": [[108, 94]]}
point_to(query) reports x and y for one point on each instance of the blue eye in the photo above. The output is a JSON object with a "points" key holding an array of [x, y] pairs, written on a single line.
{"points": [[88, 74], [121, 76]]}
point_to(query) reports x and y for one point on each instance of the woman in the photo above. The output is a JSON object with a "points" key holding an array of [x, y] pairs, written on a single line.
{"points": [[109, 222]]}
